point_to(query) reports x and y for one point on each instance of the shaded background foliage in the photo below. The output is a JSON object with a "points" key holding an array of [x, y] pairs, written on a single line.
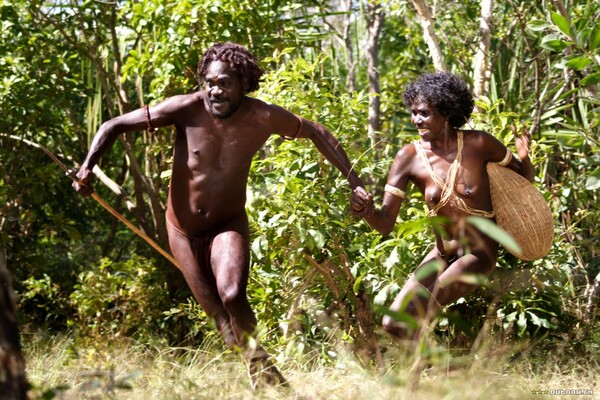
{"points": [[318, 274]]}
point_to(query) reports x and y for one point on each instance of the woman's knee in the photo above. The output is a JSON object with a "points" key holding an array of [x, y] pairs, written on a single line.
{"points": [[397, 330]]}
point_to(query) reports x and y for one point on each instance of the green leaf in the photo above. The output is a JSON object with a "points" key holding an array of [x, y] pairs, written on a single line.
{"points": [[72, 232], [428, 269], [553, 43], [495, 232], [578, 63], [595, 38], [562, 23], [470, 279], [537, 25], [318, 238], [522, 321], [593, 180], [357, 282], [591, 79], [400, 316]]}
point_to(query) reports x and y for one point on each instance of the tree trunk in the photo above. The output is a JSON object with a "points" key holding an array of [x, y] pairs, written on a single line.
{"points": [[13, 384], [429, 34], [482, 60], [375, 15], [351, 80]]}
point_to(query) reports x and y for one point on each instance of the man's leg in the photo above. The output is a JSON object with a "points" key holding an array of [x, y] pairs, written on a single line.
{"points": [[203, 287], [230, 260]]}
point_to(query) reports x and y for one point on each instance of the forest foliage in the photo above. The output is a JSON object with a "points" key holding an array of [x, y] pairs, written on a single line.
{"points": [[318, 274]]}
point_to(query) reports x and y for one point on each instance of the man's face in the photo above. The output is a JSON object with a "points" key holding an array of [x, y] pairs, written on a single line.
{"points": [[224, 88]]}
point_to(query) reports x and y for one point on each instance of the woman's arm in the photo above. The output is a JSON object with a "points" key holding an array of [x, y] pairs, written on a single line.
{"points": [[384, 219]]}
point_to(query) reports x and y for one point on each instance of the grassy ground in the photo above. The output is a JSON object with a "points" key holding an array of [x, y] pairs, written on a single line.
{"points": [[124, 370]]}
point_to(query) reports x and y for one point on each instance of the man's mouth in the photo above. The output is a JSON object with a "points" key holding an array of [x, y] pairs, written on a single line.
{"points": [[422, 131]]}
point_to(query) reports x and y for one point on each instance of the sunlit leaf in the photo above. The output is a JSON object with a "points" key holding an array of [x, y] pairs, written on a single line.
{"points": [[594, 40], [592, 182], [578, 63], [495, 232], [537, 25], [428, 270], [562, 23], [357, 282], [400, 316], [591, 79], [553, 43]]}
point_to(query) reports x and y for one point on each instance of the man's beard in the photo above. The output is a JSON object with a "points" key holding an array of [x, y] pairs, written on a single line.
{"points": [[228, 112]]}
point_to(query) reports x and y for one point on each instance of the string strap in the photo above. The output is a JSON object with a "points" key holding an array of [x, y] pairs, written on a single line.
{"points": [[448, 185]]}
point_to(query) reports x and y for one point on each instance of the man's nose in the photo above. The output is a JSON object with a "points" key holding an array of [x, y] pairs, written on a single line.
{"points": [[216, 90]]}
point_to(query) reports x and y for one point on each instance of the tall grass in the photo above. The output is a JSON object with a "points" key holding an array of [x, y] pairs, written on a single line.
{"points": [[121, 369]]}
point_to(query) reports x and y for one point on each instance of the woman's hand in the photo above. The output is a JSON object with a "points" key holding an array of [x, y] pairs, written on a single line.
{"points": [[522, 142]]}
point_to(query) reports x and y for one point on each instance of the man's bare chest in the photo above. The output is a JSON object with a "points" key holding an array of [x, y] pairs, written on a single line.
{"points": [[222, 149]]}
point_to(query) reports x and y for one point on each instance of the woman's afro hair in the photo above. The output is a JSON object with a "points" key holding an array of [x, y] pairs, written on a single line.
{"points": [[446, 92], [239, 59]]}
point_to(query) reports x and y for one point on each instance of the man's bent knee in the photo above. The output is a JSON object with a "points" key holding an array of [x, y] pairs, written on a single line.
{"points": [[232, 295]]}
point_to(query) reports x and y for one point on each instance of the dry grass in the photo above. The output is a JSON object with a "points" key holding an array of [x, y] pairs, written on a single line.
{"points": [[98, 372]]}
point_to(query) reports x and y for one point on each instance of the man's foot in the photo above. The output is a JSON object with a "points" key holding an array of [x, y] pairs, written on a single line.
{"points": [[263, 372]]}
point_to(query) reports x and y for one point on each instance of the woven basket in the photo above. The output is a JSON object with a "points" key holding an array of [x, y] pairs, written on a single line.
{"points": [[521, 211]]}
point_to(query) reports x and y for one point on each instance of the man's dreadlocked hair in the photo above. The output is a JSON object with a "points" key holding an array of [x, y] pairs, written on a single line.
{"points": [[239, 59]]}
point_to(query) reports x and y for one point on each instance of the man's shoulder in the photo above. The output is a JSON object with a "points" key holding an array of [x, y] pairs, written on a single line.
{"points": [[186, 99], [178, 106], [259, 105], [265, 111]]}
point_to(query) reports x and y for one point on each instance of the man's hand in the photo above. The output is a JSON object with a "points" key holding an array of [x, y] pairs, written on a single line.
{"points": [[362, 202], [522, 142], [82, 180]]}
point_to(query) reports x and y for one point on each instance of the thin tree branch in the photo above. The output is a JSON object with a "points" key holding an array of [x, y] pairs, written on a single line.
{"points": [[427, 22]]}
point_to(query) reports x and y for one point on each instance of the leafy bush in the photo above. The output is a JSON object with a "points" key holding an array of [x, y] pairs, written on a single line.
{"points": [[131, 299]]}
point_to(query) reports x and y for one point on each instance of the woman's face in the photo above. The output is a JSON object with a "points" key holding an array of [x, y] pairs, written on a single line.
{"points": [[428, 121]]}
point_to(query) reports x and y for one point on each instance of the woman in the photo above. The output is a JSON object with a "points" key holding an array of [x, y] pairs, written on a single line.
{"points": [[448, 166]]}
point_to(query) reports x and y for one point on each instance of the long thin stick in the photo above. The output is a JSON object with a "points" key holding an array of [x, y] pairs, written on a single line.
{"points": [[97, 197]]}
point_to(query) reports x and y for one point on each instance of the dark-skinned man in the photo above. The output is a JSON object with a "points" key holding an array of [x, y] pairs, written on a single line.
{"points": [[219, 130]]}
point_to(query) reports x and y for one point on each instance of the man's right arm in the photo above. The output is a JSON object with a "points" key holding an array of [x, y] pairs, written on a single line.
{"points": [[162, 114]]}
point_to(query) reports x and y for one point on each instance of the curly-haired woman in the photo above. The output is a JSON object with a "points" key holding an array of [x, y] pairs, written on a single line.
{"points": [[448, 166]]}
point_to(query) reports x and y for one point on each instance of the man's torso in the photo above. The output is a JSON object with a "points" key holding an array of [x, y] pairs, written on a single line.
{"points": [[211, 162]]}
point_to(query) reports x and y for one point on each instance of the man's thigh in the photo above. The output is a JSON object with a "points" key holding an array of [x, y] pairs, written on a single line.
{"points": [[230, 254]]}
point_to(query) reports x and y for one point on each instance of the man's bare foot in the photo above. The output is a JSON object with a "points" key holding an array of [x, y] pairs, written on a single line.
{"points": [[263, 372]]}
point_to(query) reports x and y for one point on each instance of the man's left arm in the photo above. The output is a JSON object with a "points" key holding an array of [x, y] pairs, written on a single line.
{"points": [[332, 149], [291, 126]]}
